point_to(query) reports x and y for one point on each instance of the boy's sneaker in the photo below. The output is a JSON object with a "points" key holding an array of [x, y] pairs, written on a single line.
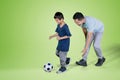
{"points": [[67, 61], [100, 62], [61, 70], [82, 62]]}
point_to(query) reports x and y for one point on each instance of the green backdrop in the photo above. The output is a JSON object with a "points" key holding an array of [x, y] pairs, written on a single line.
{"points": [[25, 26]]}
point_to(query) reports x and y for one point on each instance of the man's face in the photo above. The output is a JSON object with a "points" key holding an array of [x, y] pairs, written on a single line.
{"points": [[78, 22], [58, 21]]}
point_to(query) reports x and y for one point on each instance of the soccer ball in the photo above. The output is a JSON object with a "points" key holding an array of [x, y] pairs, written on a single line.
{"points": [[48, 67]]}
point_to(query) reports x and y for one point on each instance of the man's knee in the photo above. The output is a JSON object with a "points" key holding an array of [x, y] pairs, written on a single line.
{"points": [[96, 46]]}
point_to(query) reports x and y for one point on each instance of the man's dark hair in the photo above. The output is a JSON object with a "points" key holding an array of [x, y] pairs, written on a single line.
{"points": [[78, 15], [58, 15]]}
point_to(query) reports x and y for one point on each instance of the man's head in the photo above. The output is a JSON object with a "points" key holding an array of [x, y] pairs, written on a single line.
{"points": [[59, 18], [79, 18]]}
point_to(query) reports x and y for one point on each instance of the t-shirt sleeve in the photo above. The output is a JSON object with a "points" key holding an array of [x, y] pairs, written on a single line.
{"points": [[67, 31], [56, 29], [91, 28]]}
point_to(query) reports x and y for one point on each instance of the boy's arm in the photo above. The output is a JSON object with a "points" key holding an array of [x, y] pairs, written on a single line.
{"points": [[52, 36], [85, 32], [68, 34], [61, 38]]}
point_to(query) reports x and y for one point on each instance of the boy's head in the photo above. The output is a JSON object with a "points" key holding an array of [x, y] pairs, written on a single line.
{"points": [[78, 18], [59, 18]]}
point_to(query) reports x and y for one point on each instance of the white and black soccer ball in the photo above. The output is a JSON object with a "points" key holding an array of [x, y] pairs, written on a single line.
{"points": [[48, 67]]}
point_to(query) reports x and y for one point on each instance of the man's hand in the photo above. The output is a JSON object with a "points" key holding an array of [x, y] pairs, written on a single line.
{"points": [[58, 38], [84, 51]]}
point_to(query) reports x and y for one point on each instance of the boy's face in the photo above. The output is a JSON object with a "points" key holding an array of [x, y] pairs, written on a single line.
{"points": [[78, 22], [59, 21]]}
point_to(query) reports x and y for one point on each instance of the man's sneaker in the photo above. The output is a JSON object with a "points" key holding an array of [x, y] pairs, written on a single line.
{"points": [[100, 62], [82, 62], [61, 70], [67, 61]]}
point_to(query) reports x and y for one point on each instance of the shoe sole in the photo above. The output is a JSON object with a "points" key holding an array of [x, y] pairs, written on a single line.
{"points": [[59, 72]]}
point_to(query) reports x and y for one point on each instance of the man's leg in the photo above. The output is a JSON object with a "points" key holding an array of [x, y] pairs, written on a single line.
{"points": [[83, 62], [97, 48], [96, 44]]}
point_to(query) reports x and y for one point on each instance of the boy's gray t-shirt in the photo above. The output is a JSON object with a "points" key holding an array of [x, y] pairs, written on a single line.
{"points": [[93, 25]]}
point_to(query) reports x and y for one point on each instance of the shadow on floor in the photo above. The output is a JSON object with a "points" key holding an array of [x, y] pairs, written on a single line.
{"points": [[113, 53]]}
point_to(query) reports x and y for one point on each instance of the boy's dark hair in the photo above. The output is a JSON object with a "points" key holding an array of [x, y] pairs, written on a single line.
{"points": [[78, 15], [58, 15]]}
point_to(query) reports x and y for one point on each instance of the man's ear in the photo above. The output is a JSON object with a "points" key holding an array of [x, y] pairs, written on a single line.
{"points": [[62, 19]]}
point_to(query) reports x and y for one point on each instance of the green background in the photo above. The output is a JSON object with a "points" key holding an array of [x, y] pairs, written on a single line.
{"points": [[25, 26]]}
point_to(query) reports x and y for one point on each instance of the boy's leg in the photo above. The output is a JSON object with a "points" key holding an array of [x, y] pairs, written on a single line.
{"points": [[62, 56], [57, 53], [67, 58], [97, 48]]}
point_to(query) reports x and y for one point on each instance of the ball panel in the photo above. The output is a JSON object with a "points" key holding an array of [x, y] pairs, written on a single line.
{"points": [[52, 67], [49, 64], [44, 66]]}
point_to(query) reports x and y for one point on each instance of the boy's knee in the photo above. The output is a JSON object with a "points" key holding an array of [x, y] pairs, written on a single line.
{"points": [[57, 55]]}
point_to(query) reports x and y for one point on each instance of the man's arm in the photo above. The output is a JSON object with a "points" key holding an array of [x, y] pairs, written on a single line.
{"points": [[89, 39], [85, 32], [87, 42]]}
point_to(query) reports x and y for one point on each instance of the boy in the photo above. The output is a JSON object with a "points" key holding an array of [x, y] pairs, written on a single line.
{"points": [[93, 30], [63, 36]]}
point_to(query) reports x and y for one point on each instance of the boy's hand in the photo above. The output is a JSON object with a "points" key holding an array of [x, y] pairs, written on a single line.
{"points": [[58, 38], [50, 37], [84, 51]]}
